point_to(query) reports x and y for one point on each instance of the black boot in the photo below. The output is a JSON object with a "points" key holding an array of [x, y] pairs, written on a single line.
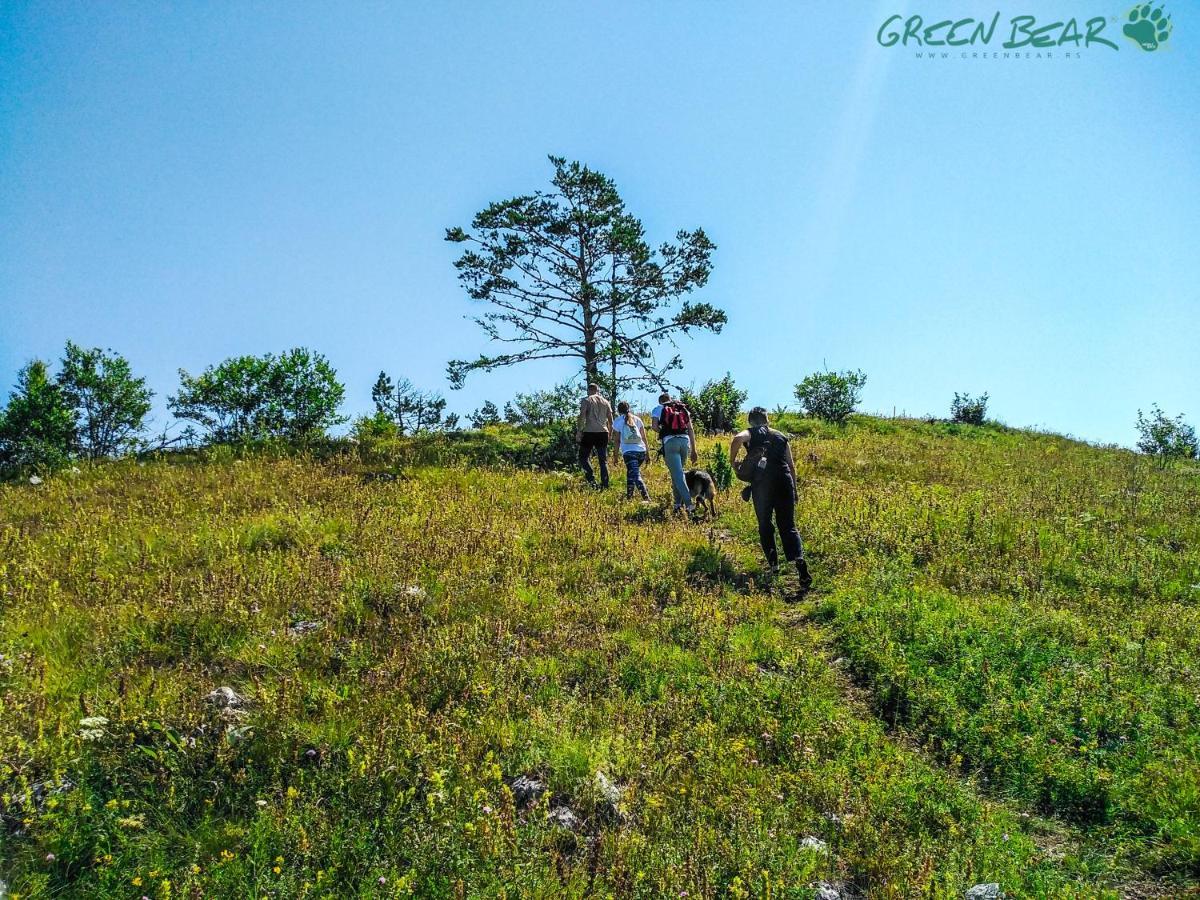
{"points": [[805, 576]]}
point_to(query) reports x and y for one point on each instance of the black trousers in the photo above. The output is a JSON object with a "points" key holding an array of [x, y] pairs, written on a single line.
{"points": [[596, 441], [774, 499]]}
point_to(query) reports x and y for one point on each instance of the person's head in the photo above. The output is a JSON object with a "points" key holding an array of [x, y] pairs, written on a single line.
{"points": [[757, 416], [623, 409], [664, 397], [593, 389]]}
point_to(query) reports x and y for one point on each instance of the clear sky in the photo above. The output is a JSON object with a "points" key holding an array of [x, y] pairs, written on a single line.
{"points": [[188, 181]]}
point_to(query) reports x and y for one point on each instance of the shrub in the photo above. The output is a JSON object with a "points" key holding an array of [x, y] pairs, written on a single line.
{"points": [[487, 415], [543, 408], [412, 410], [715, 406], [722, 471], [831, 396], [969, 410], [37, 428], [294, 396], [1165, 437], [110, 404]]}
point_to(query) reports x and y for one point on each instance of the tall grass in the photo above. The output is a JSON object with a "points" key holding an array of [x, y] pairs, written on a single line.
{"points": [[1020, 610]]}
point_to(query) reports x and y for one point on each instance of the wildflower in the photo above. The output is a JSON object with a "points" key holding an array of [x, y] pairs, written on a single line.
{"points": [[382, 880], [137, 880], [50, 857], [487, 810], [260, 803]]}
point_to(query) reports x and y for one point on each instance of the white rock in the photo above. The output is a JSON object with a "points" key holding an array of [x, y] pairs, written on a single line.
{"points": [[826, 891], [563, 817], [33, 479], [226, 697], [814, 843], [989, 891]]}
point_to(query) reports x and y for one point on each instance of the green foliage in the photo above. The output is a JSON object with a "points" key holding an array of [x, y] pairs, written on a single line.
{"points": [[412, 410], [568, 273], [720, 468], [486, 416], [716, 405], [542, 409], [1165, 437], [37, 428], [404, 648], [995, 681], [111, 404], [294, 397], [831, 396], [968, 410]]}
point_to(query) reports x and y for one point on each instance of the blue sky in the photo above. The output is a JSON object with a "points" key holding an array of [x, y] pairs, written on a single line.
{"points": [[185, 182]]}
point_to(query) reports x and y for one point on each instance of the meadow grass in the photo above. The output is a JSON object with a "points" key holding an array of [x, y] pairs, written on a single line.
{"points": [[1014, 697]]}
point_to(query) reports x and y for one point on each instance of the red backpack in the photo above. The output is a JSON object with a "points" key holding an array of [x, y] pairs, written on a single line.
{"points": [[675, 419]]}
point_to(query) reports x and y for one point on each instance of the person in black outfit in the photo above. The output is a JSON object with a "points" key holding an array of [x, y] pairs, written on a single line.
{"points": [[773, 491]]}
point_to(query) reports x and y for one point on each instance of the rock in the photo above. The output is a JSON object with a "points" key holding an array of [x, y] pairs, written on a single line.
{"points": [[226, 697], [303, 627], [611, 795], [815, 844], [526, 790], [990, 891], [841, 662], [33, 479], [415, 591], [563, 817], [827, 891]]}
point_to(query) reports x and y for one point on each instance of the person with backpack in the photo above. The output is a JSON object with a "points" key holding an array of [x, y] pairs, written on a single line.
{"points": [[631, 434], [593, 428], [678, 442], [771, 475]]}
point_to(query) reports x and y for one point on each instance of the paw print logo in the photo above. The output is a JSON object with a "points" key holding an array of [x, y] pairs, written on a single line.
{"points": [[1148, 27]]}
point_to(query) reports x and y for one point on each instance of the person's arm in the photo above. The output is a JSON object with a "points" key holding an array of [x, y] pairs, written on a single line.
{"points": [[787, 456], [735, 447]]}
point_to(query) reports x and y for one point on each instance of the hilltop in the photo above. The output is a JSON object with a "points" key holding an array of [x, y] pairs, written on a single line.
{"points": [[454, 679]]}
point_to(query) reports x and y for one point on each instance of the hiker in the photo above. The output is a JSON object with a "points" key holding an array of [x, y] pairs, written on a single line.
{"points": [[772, 485], [592, 430], [678, 441], [632, 440], [655, 415]]}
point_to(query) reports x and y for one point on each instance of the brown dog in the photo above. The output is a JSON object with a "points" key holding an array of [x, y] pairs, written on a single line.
{"points": [[702, 488]]}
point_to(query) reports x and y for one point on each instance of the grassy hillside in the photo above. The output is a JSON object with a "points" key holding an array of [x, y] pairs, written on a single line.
{"points": [[997, 680]]}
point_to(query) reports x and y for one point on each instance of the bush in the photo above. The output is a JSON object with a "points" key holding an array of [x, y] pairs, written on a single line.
{"points": [[411, 410], [831, 396], [969, 410], [247, 398], [715, 406], [721, 470], [37, 428], [541, 409], [487, 415], [1165, 437], [111, 405]]}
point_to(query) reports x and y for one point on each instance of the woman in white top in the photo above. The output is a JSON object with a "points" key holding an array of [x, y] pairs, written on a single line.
{"points": [[632, 436]]}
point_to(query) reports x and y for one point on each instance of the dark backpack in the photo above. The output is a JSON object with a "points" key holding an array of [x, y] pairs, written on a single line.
{"points": [[758, 456], [675, 419], [748, 466]]}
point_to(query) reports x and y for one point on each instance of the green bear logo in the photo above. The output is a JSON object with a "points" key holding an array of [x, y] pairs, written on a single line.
{"points": [[1148, 27]]}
